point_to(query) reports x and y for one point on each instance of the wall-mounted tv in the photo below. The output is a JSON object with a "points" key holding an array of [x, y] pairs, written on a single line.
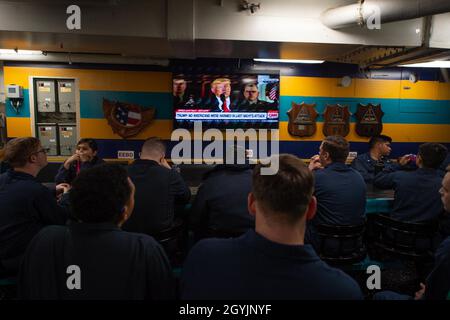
{"points": [[226, 101]]}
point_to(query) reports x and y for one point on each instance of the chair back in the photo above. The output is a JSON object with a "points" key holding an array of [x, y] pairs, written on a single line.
{"points": [[409, 240], [173, 240], [341, 245]]}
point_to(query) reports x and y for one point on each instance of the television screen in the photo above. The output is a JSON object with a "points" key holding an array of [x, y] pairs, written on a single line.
{"points": [[226, 101]]}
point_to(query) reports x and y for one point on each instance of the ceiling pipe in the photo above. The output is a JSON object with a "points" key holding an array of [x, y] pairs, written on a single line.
{"points": [[85, 58], [389, 11]]}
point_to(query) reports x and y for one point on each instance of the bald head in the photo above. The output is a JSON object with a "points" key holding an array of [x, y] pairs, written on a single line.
{"points": [[153, 149]]}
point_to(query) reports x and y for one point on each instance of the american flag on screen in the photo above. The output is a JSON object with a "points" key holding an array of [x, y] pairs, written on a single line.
{"points": [[127, 117], [272, 95]]}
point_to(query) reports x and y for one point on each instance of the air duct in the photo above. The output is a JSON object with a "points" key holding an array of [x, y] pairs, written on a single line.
{"points": [[388, 10]]}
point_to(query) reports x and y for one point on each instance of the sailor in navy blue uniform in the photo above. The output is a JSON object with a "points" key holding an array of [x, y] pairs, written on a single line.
{"points": [[339, 189], [26, 205], [437, 285], [85, 157], [272, 261], [92, 258], [369, 164], [416, 192]]}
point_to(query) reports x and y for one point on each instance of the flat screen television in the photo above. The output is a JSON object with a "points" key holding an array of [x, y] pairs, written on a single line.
{"points": [[226, 101]]}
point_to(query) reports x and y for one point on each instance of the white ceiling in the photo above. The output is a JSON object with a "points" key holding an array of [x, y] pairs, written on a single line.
{"points": [[202, 28]]}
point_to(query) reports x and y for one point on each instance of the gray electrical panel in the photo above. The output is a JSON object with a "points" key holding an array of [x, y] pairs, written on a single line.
{"points": [[67, 139], [47, 136], [55, 115], [45, 95], [66, 95]]}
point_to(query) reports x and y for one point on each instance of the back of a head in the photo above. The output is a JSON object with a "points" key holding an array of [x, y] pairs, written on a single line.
{"points": [[286, 194], [99, 194], [153, 147], [337, 147], [18, 151], [380, 138], [432, 154]]}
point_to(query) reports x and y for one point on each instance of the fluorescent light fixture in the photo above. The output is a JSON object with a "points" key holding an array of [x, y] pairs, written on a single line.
{"points": [[430, 64], [12, 52], [289, 61]]}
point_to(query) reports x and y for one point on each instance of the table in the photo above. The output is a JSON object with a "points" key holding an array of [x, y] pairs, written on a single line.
{"points": [[379, 201]]}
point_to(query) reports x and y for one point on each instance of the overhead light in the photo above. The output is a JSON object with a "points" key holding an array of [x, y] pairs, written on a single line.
{"points": [[19, 52], [430, 64], [289, 61]]}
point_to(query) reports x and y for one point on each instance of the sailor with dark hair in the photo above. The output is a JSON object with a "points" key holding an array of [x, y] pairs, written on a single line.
{"points": [[416, 192], [272, 261], [93, 258], [339, 189], [85, 157], [437, 284], [369, 164]]}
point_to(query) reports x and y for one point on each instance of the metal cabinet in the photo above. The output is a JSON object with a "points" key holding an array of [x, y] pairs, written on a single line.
{"points": [[45, 95], [47, 136], [55, 114], [66, 95], [67, 139]]}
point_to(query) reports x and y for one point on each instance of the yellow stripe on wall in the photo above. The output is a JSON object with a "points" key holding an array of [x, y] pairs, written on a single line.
{"points": [[443, 91], [18, 127], [419, 90], [89, 79], [100, 129], [330, 87], [364, 88], [418, 132], [306, 86], [398, 132], [377, 88]]}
